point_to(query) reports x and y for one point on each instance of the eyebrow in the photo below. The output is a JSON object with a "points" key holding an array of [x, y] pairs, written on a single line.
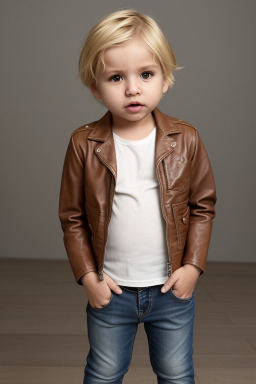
{"points": [[149, 66]]}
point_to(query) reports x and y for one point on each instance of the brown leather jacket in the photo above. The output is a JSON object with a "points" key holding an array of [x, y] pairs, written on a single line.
{"points": [[187, 192]]}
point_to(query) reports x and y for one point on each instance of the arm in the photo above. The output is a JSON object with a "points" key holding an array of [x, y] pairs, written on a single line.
{"points": [[77, 235], [77, 238], [202, 200]]}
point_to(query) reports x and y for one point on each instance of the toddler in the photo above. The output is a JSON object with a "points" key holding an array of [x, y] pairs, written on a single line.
{"points": [[136, 205]]}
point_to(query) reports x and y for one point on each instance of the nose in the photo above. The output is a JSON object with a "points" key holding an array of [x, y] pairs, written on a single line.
{"points": [[132, 87]]}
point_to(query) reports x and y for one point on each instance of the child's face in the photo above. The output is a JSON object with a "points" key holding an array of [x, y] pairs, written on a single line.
{"points": [[131, 75]]}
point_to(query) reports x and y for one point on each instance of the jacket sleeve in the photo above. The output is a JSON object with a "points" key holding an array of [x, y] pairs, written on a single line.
{"points": [[72, 215], [201, 201]]}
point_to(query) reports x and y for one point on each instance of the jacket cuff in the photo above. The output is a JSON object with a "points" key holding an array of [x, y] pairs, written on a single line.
{"points": [[79, 278], [202, 269]]}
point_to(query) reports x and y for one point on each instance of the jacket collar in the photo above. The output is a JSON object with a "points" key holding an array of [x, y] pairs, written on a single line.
{"points": [[102, 132], [103, 127]]}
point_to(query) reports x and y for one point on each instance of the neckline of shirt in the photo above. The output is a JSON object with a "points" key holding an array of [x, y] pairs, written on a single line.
{"points": [[134, 143]]}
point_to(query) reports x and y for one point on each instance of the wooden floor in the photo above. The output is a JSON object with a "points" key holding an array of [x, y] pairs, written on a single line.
{"points": [[43, 326]]}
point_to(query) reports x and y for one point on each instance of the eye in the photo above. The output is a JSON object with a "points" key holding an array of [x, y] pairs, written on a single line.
{"points": [[146, 75], [115, 78]]}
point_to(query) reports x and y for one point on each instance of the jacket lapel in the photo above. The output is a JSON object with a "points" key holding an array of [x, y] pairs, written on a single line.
{"points": [[164, 128], [105, 151], [102, 132]]}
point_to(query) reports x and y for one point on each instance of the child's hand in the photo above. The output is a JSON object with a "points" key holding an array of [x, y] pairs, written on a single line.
{"points": [[182, 281], [99, 292]]}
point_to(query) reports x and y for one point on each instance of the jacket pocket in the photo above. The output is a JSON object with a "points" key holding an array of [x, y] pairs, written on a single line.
{"points": [[92, 214], [177, 173], [181, 214]]}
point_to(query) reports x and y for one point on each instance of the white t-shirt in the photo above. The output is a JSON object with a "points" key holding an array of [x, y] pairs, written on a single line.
{"points": [[136, 251]]}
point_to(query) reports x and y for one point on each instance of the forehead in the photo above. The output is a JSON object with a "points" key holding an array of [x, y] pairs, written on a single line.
{"points": [[129, 54]]}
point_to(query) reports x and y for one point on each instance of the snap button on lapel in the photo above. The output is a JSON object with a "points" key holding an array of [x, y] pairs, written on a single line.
{"points": [[184, 220], [87, 126], [98, 150], [173, 144]]}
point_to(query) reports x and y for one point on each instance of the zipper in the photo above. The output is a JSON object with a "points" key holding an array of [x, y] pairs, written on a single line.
{"points": [[100, 271], [167, 174], [101, 276], [169, 269], [169, 263]]}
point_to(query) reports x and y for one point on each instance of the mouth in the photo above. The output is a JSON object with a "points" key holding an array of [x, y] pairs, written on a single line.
{"points": [[134, 106]]}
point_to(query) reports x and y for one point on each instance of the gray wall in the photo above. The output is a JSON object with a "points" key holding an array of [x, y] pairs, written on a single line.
{"points": [[43, 101]]}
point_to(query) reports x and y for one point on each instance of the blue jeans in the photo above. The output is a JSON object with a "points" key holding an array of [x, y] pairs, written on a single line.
{"points": [[168, 322]]}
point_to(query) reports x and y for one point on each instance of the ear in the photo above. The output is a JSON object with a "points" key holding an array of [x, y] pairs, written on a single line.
{"points": [[95, 91], [165, 86]]}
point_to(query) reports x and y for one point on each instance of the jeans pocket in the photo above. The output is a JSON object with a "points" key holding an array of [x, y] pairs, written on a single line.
{"points": [[104, 306], [180, 299]]}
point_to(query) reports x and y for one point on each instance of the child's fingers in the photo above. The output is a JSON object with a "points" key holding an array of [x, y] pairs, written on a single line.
{"points": [[168, 284], [166, 287], [113, 286]]}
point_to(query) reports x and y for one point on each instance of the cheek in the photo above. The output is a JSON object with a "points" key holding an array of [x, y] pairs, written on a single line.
{"points": [[111, 98], [111, 93]]}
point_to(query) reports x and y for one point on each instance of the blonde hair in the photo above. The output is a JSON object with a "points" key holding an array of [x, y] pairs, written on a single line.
{"points": [[117, 28]]}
